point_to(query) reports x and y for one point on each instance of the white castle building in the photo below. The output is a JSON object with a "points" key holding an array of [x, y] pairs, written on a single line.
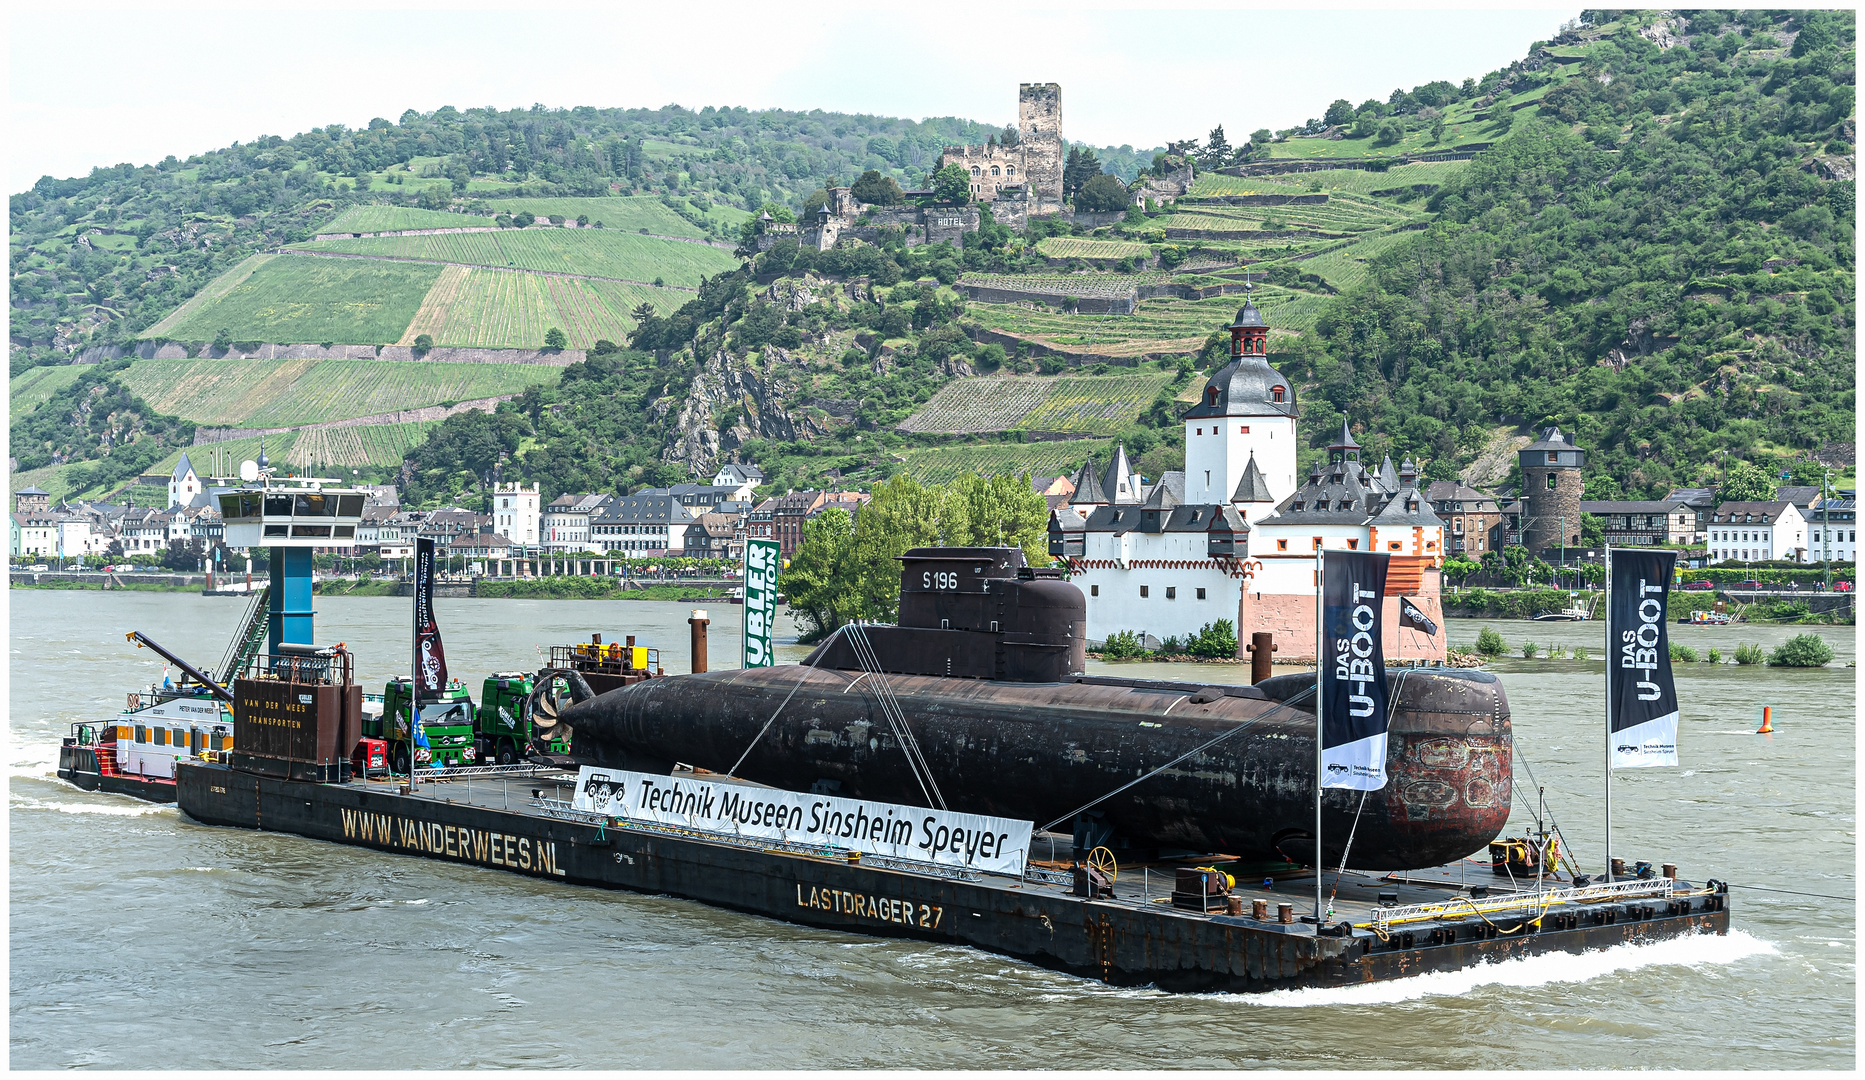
{"points": [[1235, 535]]}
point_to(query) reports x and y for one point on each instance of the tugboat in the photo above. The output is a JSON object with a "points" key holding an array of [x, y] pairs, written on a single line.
{"points": [[135, 754]]}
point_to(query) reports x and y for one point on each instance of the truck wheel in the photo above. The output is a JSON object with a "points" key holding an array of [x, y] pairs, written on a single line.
{"points": [[506, 754], [401, 759]]}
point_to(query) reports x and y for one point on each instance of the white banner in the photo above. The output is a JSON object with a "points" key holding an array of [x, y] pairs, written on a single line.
{"points": [[998, 845]]}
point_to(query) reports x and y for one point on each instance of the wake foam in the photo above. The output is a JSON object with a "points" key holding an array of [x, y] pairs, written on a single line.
{"points": [[1527, 972], [141, 809]]}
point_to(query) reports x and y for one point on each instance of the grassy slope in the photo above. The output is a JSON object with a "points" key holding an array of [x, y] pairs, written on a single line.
{"points": [[595, 252], [280, 393], [388, 218], [211, 294], [290, 300], [941, 464], [493, 309], [30, 388], [1074, 404]]}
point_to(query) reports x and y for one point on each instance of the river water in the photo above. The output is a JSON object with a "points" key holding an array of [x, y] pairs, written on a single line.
{"points": [[140, 939]]}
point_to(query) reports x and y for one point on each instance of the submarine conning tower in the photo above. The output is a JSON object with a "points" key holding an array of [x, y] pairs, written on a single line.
{"points": [[975, 613]]}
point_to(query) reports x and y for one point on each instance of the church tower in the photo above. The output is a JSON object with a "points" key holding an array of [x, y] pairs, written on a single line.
{"points": [[1247, 411]]}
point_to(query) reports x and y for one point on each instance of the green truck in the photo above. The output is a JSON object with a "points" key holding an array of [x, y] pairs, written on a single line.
{"points": [[498, 732], [446, 726]]}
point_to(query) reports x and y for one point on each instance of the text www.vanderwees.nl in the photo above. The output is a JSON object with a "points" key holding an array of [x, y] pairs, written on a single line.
{"points": [[482, 846]]}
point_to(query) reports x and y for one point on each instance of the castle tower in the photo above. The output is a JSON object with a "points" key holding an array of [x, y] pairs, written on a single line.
{"points": [[1248, 410], [1551, 492], [1039, 125]]}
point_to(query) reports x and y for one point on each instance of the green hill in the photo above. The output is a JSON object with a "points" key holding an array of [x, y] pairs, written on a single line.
{"points": [[592, 252]]}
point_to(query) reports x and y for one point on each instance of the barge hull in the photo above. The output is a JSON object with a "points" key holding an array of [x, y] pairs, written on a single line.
{"points": [[1119, 941]]}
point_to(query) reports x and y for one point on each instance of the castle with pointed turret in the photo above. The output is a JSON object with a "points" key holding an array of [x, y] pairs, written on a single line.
{"points": [[1236, 533]]}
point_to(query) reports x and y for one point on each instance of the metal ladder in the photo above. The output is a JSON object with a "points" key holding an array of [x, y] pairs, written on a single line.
{"points": [[245, 646]]}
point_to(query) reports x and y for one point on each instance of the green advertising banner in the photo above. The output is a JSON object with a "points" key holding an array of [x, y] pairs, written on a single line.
{"points": [[762, 559]]}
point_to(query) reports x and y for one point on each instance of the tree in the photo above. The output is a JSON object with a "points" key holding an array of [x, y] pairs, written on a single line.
{"points": [[1747, 482], [1390, 131], [1261, 137], [1216, 150], [1340, 112], [1591, 531], [423, 343], [817, 582], [1080, 167], [223, 340], [952, 184], [182, 555], [1460, 566], [1437, 130], [1102, 194], [873, 187], [554, 339]]}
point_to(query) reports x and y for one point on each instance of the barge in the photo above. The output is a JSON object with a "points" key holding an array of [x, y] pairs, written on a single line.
{"points": [[1105, 926]]}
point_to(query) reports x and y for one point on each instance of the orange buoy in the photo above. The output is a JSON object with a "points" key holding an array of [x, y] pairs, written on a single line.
{"points": [[1767, 720]]}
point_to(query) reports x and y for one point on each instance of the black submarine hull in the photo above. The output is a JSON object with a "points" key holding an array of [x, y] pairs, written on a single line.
{"points": [[1039, 751]]}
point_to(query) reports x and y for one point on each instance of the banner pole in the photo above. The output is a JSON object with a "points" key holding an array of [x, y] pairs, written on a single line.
{"points": [[1320, 705], [1609, 655], [414, 664]]}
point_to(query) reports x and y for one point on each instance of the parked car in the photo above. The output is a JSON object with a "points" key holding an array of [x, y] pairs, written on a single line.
{"points": [[1698, 586], [1749, 584], [1842, 586], [39, 568]]}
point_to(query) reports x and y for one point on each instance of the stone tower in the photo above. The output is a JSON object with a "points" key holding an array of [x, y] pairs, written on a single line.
{"points": [[1245, 418], [1039, 126], [1551, 492]]}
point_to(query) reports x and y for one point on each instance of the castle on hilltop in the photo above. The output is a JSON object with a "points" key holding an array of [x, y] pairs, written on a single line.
{"points": [[1237, 533], [1028, 170]]}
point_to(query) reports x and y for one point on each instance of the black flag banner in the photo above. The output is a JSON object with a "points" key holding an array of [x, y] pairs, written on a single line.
{"points": [[1353, 695], [1641, 699], [430, 677], [1410, 615]]}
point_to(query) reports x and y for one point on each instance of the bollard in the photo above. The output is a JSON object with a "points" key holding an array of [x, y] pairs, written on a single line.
{"points": [[1259, 909], [698, 622], [1233, 905], [1670, 871], [1285, 913], [1261, 646], [1767, 720], [1618, 869]]}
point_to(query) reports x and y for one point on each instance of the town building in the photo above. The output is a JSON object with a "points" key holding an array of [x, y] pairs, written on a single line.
{"points": [[38, 534], [739, 474], [31, 501], [516, 515], [714, 536], [1235, 535], [1757, 532], [1643, 524], [1833, 529], [1473, 520], [1702, 502], [185, 488], [565, 524], [788, 512], [641, 525]]}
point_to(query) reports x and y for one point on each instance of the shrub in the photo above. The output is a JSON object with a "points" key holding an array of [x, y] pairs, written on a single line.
{"points": [[1580, 652], [1748, 654], [1715, 656], [1802, 650], [1683, 653], [1490, 643], [1217, 639], [1120, 645], [1172, 646], [1529, 649]]}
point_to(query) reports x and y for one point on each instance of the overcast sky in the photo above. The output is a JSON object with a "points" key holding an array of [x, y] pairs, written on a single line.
{"points": [[107, 86]]}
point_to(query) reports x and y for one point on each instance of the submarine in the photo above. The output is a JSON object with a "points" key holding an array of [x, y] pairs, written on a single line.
{"points": [[977, 701]]}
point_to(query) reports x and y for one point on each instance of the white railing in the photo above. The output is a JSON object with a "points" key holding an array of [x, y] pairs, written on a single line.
{"points": [[1466, 906]]}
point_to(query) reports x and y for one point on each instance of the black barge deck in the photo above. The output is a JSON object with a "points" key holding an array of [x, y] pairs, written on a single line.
{"points": [[519, 821]]}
